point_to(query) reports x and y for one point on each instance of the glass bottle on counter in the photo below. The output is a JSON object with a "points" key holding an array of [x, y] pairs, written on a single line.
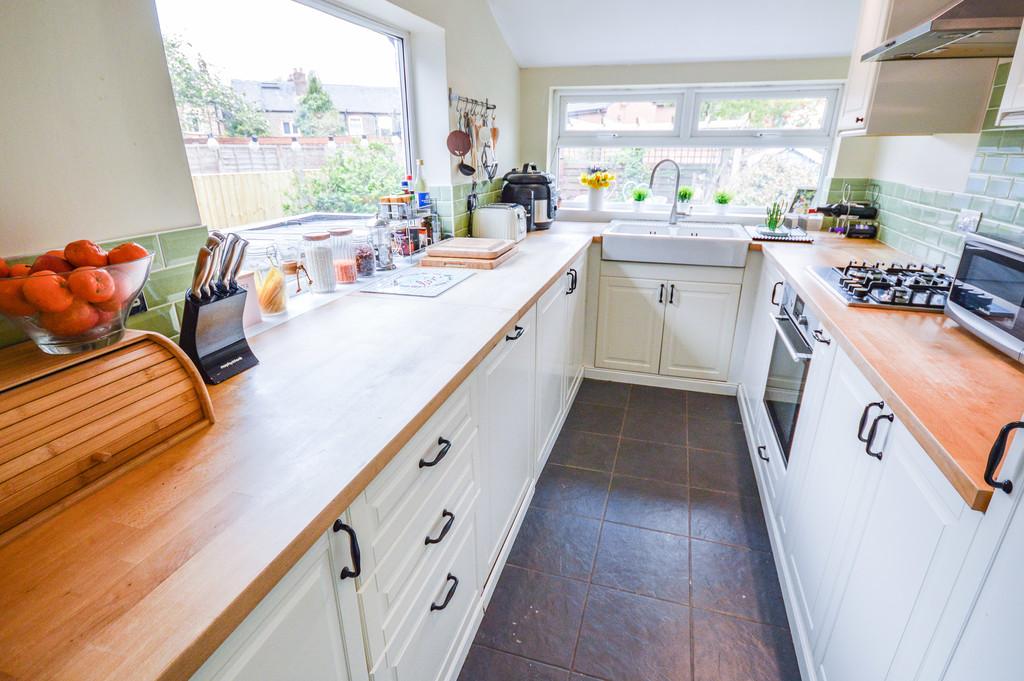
{"points": [[316, 249], [343, 255], [270, 281], [366, 257]]}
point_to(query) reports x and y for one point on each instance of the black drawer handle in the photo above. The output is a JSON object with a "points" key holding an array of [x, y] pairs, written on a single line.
{"points": [[445, 446], [444, 530], [353, 543], [819, 336], [448, 597], [672, 294], [761, 453], [775, 288], [995, 456], [864, 420], [661, 294], [873, 432], [573, 280], [517, 335]]}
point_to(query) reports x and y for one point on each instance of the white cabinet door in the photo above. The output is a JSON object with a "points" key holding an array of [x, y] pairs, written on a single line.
{"points": [[826, 479], [915, 537], [577, 296], [762, 331], [697, 340], [862, 76], [631, 313], [296, 632], [552, 351], [1011, 110], [506, 415]]}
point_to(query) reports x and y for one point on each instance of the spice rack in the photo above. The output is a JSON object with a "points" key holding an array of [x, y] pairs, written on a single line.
{"points": [[410, 228]]}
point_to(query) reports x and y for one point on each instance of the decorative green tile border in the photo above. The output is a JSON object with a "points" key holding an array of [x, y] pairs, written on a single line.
{"points": [[174, 253], [451, 203]]}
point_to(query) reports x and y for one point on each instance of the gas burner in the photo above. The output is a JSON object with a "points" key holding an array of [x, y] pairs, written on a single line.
{"points": [[897, 285]]}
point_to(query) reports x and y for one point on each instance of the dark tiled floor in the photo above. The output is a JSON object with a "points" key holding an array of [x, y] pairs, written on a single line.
{"points": [[644, 554]]}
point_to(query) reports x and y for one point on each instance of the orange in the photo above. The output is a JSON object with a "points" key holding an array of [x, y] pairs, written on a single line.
{"points": [[48, 292], [12, 299], [74, 320], [21, 270], [85, 253], [126, 253], [5, 271], [91, 285], [50, 262]]}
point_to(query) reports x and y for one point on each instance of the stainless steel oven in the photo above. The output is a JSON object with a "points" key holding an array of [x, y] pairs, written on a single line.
{"points": [[792, 352], [987, 297]]}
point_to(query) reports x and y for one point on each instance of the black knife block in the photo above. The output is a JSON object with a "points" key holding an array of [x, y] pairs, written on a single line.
{"points": [[213, 337]]}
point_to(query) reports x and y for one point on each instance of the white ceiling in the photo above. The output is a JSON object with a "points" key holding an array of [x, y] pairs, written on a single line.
{"points": [[586, 32]]}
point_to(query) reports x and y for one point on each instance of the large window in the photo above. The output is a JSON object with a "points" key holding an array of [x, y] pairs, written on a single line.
{"points": [[759, 143], [276, 100]]}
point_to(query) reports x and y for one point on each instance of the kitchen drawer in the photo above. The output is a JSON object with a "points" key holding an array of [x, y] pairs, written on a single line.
{"points": [[426, 645]]}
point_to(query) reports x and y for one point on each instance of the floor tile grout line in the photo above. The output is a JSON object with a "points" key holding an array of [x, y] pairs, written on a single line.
{"points": [[689, 550]]}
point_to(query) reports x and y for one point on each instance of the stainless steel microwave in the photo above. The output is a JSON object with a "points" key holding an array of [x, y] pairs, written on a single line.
{"points": [[987, 298]]}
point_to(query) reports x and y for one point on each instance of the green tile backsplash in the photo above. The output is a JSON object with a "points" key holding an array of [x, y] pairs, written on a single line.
{"points": [[919, 220], [174, 253], [451, 203]]}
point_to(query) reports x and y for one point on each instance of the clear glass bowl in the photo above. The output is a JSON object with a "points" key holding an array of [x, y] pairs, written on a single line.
{"points": [[83, 325]]}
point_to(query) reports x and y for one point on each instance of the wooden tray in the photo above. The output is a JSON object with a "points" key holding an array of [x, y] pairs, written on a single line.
{"points": [[468, 263], [69, 424], [465, 247]]}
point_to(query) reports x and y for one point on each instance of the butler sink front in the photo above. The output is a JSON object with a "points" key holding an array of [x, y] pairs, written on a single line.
{"points": [[685, 243]]}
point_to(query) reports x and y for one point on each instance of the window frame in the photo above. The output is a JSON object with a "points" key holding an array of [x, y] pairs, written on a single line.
{"points": [[687, 119]]}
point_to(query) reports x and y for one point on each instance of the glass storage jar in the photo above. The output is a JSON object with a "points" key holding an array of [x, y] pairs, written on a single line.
{"points": [[316, 249], [343, 256], [270, 280], [366, 257]]}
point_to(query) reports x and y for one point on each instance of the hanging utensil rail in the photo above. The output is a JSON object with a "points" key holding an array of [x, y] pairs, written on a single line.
{"points": [[469, 105]]}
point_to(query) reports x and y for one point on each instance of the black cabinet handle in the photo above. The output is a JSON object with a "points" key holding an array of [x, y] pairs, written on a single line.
{"points": [[672, 294], [445, 446], [761, 449], [448, 597], [775, 288], [573, 280], [995, 456], [517, 335], [873, 432], [661, 293], [444, 530], [353, 543], [864, 419], [819, 336]]}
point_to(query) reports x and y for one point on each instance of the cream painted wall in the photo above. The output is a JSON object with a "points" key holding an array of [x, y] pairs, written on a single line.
{"points": [[934, 161], [90, 144], [536, 85]]}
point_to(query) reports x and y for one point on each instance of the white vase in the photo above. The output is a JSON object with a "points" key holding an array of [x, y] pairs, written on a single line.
{"points": [[595, 199], [638, 206], [721, 208], [685, 207]]}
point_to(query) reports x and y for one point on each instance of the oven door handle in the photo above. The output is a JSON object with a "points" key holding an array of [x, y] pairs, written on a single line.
{"points": [[784, 334]]}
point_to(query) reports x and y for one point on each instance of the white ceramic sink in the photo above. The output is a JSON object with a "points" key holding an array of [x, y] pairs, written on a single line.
{"points": [[686, 243]]}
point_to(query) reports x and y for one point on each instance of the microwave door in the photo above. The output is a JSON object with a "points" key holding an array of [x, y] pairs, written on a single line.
{"points": [[988, 294]]}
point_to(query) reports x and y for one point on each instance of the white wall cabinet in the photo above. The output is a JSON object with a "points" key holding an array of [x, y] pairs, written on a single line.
{"points": [[301, 630], [668, 327], [910, 97], [1011, 109]]}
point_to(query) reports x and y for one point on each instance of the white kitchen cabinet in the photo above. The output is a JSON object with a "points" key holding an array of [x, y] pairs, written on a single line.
{"points": [[670, 327], [308, 627], [700, 318], [759, 343], [630, 318], [1011, 109], [506, 423], [577, 296], [910, 97], [552, 356]]}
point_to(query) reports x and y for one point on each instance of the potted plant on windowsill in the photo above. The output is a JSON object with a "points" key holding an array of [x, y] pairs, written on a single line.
{"points": [[640, 194], [596, 179], [685, 197], [722, 201]]}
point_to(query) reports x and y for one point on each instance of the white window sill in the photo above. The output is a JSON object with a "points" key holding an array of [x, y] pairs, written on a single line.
{"points": [[574, 214]]}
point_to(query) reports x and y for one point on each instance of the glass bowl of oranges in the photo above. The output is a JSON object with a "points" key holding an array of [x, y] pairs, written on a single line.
{"points": [[76, 299]]}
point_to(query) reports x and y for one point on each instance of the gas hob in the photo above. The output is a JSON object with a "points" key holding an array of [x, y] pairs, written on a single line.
{"points": [[901, 287]]}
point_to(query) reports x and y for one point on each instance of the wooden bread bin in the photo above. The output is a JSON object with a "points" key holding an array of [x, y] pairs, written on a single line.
{"points": [[70, 424]]}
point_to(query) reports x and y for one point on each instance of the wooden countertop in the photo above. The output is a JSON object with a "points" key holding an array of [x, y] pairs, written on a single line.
{"points": [[146, 577], [949, 389]]}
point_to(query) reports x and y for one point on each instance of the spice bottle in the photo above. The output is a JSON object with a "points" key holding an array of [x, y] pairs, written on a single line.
{"points": [[342, 254], [366, 265], [316, 249]]}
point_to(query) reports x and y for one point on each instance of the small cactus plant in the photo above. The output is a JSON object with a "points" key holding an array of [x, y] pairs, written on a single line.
{"points": [[723, 198], [774, 216], [685, 194], [641, 194]]}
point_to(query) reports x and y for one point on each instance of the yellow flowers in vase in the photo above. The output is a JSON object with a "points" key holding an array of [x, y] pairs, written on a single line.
{"points": [[596, 179]]}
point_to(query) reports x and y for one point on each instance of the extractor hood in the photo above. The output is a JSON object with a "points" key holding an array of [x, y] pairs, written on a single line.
{"points": [[967, 28]]}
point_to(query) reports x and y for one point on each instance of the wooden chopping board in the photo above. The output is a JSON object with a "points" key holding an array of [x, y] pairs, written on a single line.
{"points": [[469, 263], [465, 247]]}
